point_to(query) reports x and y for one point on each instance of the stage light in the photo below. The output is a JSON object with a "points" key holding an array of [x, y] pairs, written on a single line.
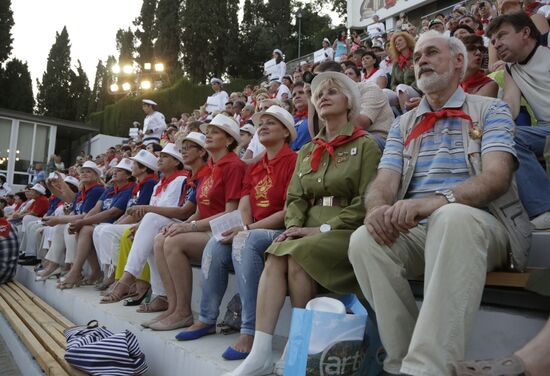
{"points": [[159, 67]]}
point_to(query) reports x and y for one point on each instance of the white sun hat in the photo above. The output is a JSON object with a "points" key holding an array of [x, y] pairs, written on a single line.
{"points": [[196, 137], [125, 164], [248, 128], [172, 150], [226, 124], [72, 180], [149, 101], [93, 166], [39, 188], [147, 159], [346, 82], [280, 114]]}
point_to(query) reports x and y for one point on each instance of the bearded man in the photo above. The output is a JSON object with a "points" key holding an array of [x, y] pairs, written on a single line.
{"points": [[429, 212]]}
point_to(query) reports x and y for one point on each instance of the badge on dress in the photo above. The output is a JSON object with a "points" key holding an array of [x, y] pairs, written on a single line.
{"points": [[353, 151]]}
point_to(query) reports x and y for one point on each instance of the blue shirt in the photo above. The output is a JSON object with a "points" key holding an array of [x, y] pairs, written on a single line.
{"points": [[144, 194], [54, 203], [441, 162], [38, 176], [303, 136], [111, 200], [82, 207]]}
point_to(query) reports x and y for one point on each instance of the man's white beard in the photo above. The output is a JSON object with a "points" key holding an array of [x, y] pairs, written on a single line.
{"points": [[434, 81]]}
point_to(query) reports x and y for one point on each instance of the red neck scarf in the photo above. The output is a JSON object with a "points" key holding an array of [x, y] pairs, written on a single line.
{"points": [[476, 80], [300, 114], [267, 164], [192, 182], [485, 20], [404, 60], [84, 192], [368, 75], [329, 146], [529, 8], [430, 118], [4, 227], [167, 180], [119, 188], [145, 179]]}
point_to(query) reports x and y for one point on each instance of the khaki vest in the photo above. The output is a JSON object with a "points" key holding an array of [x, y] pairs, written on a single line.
{"points": [[508, 208]]}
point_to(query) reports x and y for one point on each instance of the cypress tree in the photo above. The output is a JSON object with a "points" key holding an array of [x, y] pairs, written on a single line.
{"points": [[125, 46], [93, 104], [196, 22], [16, 82], [145, 32], [80, 93], [6, 23], [167, 44]]}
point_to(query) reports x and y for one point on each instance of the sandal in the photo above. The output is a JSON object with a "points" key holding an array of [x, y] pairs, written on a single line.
{"points": [[161, 303], [509, 366], [136, 300], [91, 282], [64, 285], [115, 296]]}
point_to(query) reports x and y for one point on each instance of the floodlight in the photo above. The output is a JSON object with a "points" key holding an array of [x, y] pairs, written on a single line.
{"points": [[159, 67], [128, 69], [147, 66], [116, 69], [146, 84], [114, 88], [126, 86]]}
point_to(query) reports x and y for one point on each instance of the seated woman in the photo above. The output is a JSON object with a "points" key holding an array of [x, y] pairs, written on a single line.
{"points": [[475, 80], [262, 210], [63, 246], [324, 206], [179, 244], [108, 208], [107, 236], [372, 71], [166, 194], [403, 81]]}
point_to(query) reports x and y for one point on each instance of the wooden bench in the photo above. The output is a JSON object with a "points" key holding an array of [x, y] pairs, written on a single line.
{"points": [[39, 326]]}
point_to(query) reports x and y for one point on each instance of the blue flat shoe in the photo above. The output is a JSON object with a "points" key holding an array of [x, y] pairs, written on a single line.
{"points": [[231, 354], [190, 335]]}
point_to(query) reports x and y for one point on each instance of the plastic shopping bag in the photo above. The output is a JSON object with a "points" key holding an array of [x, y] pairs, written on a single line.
{"points": [[325, 343]]}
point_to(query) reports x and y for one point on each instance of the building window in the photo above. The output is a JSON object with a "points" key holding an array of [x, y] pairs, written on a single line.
{"points": [[5, 136]]}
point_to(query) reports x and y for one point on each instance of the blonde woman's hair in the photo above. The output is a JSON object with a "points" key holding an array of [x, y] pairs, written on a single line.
{"points": [[409, 39], [331, 83]]}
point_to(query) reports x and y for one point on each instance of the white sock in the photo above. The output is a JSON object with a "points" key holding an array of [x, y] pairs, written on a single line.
{"points": [[280, 365], [259, 361]]}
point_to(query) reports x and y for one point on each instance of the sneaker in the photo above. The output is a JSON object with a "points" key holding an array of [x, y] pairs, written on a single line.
{"points": [[542, 222]]}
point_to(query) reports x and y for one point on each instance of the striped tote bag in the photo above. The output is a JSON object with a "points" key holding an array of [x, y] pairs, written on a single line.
{"points": [[99, 352]]}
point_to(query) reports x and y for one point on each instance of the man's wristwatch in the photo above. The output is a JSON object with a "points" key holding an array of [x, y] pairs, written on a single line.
{"points": [[448, 194], [325, 227]]}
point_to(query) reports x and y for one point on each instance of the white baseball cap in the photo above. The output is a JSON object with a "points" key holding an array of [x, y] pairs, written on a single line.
{"points": [[196, 137], [280, 114], [125, 164], [248, 128], [71, 180], [39, 188], [172, 150], [147, 159], [226, 124], [149, 101], [93, 166]]}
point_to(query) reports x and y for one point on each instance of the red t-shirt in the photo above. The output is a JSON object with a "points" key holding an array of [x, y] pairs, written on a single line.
{"points": [[266, 182], [224, 183], [40, 206]]}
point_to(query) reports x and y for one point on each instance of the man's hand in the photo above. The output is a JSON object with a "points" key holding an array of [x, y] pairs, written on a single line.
{"points": [[405, 214], [412, 103], [74, 227], [381, 229]]}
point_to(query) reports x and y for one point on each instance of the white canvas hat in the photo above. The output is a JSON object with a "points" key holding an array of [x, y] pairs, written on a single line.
{"points": [[346, 82], [172, 150], [93, 166], [149, 101], [326, 40], [278, 51], [72, 180], [326, 304], [147, 159], [197, 138], [216, 80], [280, 114], [39, 188], [226, 124], [125, 164], [248, 128]]}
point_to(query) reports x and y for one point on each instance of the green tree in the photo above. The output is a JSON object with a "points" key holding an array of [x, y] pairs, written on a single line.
{"points": [[196, 26], [17, 83], [80, 93], [93, 103], [278, 19], [104, 96], [125, 46], [6, 23], [54, 96], [167, 44], [145, 32]]}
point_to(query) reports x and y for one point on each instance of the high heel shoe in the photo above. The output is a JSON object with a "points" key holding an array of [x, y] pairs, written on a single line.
{"points": [[136, 300]]}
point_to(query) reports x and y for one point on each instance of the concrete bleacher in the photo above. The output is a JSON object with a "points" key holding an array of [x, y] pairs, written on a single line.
{"points": [[497, 331]]}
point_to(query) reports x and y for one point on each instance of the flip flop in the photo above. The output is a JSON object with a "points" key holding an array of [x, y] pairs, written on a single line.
{"points": [[114, 296], [509, 366]]}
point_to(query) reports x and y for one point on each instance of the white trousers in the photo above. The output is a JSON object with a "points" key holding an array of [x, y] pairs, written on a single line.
{"points": [[106, 239], [63, 246], [454, 251], [142, 250], [32, 238]]}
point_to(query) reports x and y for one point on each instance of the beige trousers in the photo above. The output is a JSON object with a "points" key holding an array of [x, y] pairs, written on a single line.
{"points": [[453, 250], [63, 246]]}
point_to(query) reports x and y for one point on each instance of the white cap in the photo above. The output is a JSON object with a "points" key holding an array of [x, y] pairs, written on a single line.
{"points": [[325, 304], [149, 101], [226, 124], [216, 80], [39, 188], [72, 180], [3, 175], [196, 137], [248, 128], [172, 150], [280, 114], [125, 164], [93, 166], [344, 80], [147, 159], [326, 40], [278, 51]]}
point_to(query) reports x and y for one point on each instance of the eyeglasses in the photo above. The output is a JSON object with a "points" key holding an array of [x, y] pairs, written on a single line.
{"points": [[185, 148]]}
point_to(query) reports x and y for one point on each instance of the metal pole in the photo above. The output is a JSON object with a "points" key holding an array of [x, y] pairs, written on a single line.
{"points": [[299, 35]]}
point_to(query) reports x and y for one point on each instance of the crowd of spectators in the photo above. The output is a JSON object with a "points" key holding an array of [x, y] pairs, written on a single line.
{"points": [[435, 119]]}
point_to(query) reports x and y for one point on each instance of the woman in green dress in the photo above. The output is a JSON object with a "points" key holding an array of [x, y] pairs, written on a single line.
{"points": [[324, 207]]}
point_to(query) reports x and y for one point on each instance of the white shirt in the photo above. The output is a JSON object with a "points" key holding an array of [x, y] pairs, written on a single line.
{"points": [[217, 101], [278, 72], [329, 53], [5, 190], [255, 145], [376, 29], [385, 67], [153, 122], [283, 89], [170, 196], [374, 78]]}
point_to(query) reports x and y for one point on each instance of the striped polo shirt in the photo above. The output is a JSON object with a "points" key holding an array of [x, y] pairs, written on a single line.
{"points": [[441, 163]]}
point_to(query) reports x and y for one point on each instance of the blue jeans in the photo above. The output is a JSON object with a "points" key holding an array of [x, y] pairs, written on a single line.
{"points": [[532, 180], [246, 255]]}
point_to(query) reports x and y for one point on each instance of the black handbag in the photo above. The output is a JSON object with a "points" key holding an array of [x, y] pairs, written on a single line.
{"points": [[232, 319]]}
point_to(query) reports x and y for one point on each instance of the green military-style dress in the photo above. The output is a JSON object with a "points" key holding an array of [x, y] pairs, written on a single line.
{"points": [[324, 256]]}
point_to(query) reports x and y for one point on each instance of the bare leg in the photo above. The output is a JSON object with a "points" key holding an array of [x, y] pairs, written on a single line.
{"points": [[271, 293], [83, 248], [162, 268], [301, 286], [536, 353]]}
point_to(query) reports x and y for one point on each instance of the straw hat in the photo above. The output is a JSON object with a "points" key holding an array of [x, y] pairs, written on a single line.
{"points": [[226, 124], [280, 114]]}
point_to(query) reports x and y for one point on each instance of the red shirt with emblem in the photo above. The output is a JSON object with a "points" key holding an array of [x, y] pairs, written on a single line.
{"points": [[266, 182], [224, 183], [40, 206]]}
